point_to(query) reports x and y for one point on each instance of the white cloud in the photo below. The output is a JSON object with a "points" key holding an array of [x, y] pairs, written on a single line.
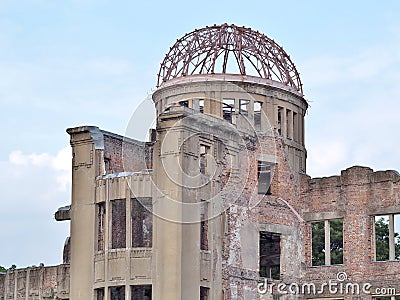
{"points": [[353, 118], [62, 161], [60, 164], [36, 185], [17, 158]]}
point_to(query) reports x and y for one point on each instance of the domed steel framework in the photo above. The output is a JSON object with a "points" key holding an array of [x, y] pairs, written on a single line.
{"points": [[212, 49]]}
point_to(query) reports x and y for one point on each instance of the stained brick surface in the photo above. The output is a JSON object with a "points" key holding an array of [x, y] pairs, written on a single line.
{"points": [[125, 155], [142, 224], [118, 223], [356, 194]]}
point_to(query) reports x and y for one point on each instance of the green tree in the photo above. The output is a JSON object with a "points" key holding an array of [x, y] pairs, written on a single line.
{"points": [[318, 244], [336, 246], [2, 269], [382, 239]]}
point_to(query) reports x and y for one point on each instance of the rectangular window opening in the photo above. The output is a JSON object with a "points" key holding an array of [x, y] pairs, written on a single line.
{"points": [[142, 222], [387, 237], [244, 107], [117, 293], [228, 109], [204, 293], [336, 241], [99, 294], [101, 213], [201, 105], [396, 238], [107, 165], [289, 124], [318, 243], [327, 250], [270, 253], [204, 151], [184, 103], [382, 238], [280, 111], [204, 226], [118, 224], [141, 292], [295, 127], [264, 178], [257, 115]]}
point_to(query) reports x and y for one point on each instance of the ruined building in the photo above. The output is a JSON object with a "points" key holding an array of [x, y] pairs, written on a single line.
{"points": [[217, 203]]}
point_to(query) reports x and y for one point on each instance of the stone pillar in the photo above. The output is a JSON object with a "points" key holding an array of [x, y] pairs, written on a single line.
{"points": [[327, 243], [85, 141], [391, 238], [283, 122]]}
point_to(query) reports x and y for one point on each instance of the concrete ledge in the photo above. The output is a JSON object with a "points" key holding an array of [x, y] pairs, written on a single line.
{"points": [[63, 213], [319, 216]]}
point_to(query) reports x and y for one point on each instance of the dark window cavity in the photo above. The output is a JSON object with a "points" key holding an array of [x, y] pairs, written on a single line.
{"points": [[270, 254]]}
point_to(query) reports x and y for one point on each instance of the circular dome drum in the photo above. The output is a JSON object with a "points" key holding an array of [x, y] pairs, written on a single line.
{"points": [[229, 49]]}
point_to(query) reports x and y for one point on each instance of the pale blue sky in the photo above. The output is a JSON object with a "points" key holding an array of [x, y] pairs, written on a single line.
{"points": [[74, 62]]}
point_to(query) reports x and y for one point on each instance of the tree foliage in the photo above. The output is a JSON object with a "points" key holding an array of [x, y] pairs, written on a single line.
{"points": [[382, 240], [336, 246], [336, 242], [318, 244], [3, 269]]}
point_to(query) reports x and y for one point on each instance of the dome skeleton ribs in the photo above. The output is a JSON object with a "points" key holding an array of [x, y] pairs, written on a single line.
{"points": [[202, 50]]}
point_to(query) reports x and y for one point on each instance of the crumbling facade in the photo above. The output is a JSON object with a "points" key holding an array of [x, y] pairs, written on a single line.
{"points": [[36, 283], [217, 204]]}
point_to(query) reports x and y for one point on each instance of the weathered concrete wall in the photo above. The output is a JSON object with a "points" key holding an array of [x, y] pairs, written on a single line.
{"points": [[36, 283], [278, 212], [129, 264]]}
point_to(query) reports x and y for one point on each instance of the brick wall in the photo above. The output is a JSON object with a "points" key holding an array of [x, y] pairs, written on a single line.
{"points": [[357, 194], [118, 223], [142, 222], [126, 155], [282, 209], [297, 200]]}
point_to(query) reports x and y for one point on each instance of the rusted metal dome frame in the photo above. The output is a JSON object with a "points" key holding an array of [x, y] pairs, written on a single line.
{"points": [[203, 50]]}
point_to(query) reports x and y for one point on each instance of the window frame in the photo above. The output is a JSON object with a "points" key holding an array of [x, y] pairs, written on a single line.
{"points": [[392, 237], [268, 273], [327, 242], [264, 173]]}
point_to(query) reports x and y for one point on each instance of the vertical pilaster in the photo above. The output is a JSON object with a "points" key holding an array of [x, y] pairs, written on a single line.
{"points": [[107, 240], [391, 237], [284, 122], [15, 284], [85, 141], [327, 243], [28, 270]]}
